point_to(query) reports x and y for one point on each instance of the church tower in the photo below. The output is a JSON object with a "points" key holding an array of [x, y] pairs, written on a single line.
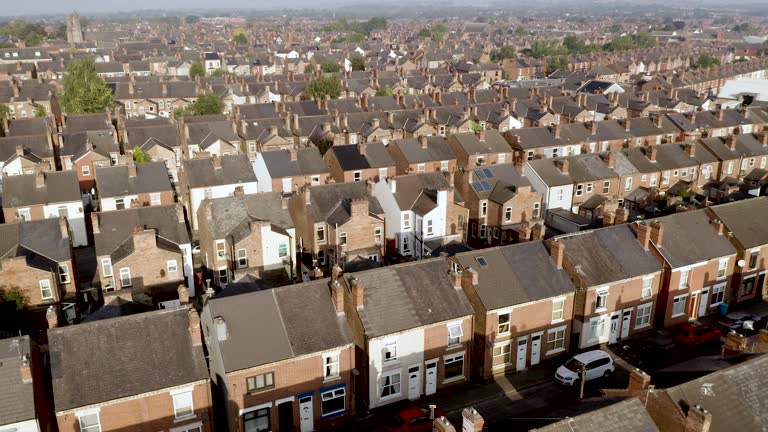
{"points": [[74, 32]]}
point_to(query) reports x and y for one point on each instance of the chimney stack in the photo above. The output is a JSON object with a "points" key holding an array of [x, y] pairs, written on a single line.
{"points": [[520, 167], [183, 295], [698, 419], [131, 169], [63, 227], [194, 327], [557, 131], [643, 234], [731, 142], [52, 316], [26, 369], [39, 176], [627, 124], [657, 232], [594, 128], [472, 421], [609, 218], [538, 231], [622, 216], [216, 162], [358, 292], [557, 252], [337, 295], [95, 223], [651, 153], [562, 165], [294, 154]]}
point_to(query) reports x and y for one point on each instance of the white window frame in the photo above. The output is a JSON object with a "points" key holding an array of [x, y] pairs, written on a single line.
{"points": [[406, 220], [643, 313], [455, 334], [601, 293], [597, 328], [377, 235], [502, 158], [106, 264], [398, 385], [86, 170], [64, 276], [444, 165], [430, 227], [172, 266], [685, 276], [315, 180], [383, 173], [722, 267], [590, 187], [320, 229], [220, 246], [24, 214], [357, 176], [420, 168], [654, 179], [123, 271], [579, 189], [389, 347], [647, 290], [555, 331], [154, 199], [45, 285], [452, 358], [507, 325], [681, 299], [718, 292], [340, 392], [506, 356], [282, 249], [242, 258], [606, 187], [177, 404], [536, 210], [628, 184], [483, 208], [331, 366], [93, 428], [558, 310], [508, 214]]}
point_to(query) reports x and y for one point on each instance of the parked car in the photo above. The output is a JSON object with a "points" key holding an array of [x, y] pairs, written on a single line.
{"points": [[644, 354], [742, 323], [414, 419], [692, 334], [593, 364]]}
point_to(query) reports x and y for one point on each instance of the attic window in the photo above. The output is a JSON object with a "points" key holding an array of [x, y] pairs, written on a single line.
{"points": [[481, 260]]}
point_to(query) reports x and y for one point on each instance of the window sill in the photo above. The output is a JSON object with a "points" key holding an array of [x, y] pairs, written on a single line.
{"points": [[454, 379], [391, 362], [185, 418], [558, 321], [331, 379], [454, 346], [554, 351], [333, 414], [678, 315], [389, 397], [601, 310], [501, 366], [640, 327], [714, 305]]}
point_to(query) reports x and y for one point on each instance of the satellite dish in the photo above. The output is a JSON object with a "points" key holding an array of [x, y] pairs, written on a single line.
{"points": [[740, 263]]}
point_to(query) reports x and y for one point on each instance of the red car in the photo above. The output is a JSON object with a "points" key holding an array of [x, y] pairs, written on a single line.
{"points": [[414, 419], [691, 334]]}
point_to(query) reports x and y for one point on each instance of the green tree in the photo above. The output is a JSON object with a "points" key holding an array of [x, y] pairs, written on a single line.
{"points": [[356, 38], [139, 156], [13, 295], [191, 19], [330, 67], [4, 111], [309, 69], [558, 63], [628, 42], [219, 73], [386, 91], [196, 69], [706, 61], [84, 92], [206, 104], [520, 31], [40, 111], [321, 86], [576, 45], [476, 127], [505, 52], [358, 63], [614, 28], [743, 27], [541, 49], [240, 36], [424, 33]]}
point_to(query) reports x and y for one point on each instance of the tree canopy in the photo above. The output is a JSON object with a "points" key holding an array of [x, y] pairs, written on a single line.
{"points": [[386, 91], [363, 27], [240, 36], [330, 67], [139, 156], [13, 295], [358, 63], [207, 104], [85, 92], [558, 63], [505, 52], [30, 33], [321, 86], [40, 111], [628, 42], [191, 19], [706, 61], [4, 111], [196, 69]]}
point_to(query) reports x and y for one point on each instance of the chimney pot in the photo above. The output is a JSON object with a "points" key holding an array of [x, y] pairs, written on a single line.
{"points": [[194, 326], [557, 252], [52, 316]]}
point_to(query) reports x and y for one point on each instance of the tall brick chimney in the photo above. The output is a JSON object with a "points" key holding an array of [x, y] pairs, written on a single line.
{"points": [[39, 176], [359, 207], [472, 421], [622, 216], [26, 369], [698, 419], [64, 227], [651, 153], [358, 292], [562, 165], [557, 252], [52, 316], [131, 169], [194, 327], [657, 232], [95, 223], [643, 234], [337, 295]]}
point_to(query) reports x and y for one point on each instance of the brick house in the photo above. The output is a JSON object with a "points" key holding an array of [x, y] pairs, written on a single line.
{"points": [[45, 195], [83, 152], [146, 251], [499, 198], [409, 351], [26, 406], [359, 162], [133, 185], [284, 170], [337, 223], [37, 258], [744, 220], [282, 372], [153, 99], [214, 177], [423, 155], [523, 300], [617, 281], [168, 387], [698, 270], [214, 135], [482, 148], [247, 234], [421, 213], [158, 139]]}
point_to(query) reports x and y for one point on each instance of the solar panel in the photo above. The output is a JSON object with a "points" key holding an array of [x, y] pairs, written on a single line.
{"points": [[481, 173], [481, 186], [481, 261], [488, 173]]}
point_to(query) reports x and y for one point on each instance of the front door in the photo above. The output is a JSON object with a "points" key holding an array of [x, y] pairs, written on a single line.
{"points": [[693, 306], [704, 301], [306, 415], [614, 335], [522, 352], [626, 318], [414, 382], [431, 377], [285, 416], [535, 349]]}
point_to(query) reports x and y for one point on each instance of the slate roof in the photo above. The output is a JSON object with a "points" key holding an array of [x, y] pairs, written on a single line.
{"points": [[738, 400], [231, 212], [114, 181], [154, 351], [746, 220], [690, 237], [516, 274], [608, 255], [165, 134], [409, 296], [350, 158], [263, 326], [17, 403], [418, 192], [330, 203], [627, 415], [59, 187], [437, 150], [308, 161], [116, 227], [494, 142], [235, 169], [34, 239]]}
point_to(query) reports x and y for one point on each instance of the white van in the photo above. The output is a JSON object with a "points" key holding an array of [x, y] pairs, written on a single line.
{"points": [[597, 363]]}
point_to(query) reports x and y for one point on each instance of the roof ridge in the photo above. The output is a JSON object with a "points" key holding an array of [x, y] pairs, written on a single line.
{"points": [[282, 322]]}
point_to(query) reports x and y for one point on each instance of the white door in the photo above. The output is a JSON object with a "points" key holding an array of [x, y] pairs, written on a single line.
{"points": [[613, 336], [626, 319], [522, 352], [693, 306], [305, 411], [431, 378], [287, 185], [535, 349], [414, 382], [704, 301]]}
